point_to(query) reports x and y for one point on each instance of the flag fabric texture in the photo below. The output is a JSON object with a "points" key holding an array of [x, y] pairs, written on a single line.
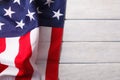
{"points": [[30, 39]]}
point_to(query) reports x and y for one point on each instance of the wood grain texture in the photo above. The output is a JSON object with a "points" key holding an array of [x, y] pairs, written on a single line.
{"points": [[89, 72], [92, 30], [88, 52], [91, 41], [93, 9]]}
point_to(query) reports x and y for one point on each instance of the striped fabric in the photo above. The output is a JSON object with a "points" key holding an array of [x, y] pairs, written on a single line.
{"points": [[31, 57], [30, 39]]}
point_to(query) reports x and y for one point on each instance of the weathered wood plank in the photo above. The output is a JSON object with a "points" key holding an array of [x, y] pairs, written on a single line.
{"points": [[93, 9], [89, 52], [89, 72], [92, 30]]}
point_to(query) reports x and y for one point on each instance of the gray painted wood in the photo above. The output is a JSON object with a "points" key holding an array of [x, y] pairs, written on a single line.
{"points": [[91, 41], [93, 9], [89, 72], [89, 52], [92, 30]]}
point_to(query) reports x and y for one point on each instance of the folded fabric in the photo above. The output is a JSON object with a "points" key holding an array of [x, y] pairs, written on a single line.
{"points": [[30, 39]]}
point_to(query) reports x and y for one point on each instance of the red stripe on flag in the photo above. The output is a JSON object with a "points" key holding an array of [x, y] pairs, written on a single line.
{"points": [[2, 48], [22, 60], [2, 67], [2, 45], [54, 54]]}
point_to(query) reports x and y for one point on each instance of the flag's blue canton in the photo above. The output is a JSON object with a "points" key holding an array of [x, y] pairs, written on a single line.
{"points": [[17, 17], [51, 12]]}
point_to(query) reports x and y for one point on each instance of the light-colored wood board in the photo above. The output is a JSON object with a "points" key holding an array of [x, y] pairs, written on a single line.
{"points": [[90, 52], [89, 72], [92, 30], [93, 9]]}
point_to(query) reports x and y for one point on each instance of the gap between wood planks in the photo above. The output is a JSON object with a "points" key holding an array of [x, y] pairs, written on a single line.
{"points": [[89, 63], [92, 19]]}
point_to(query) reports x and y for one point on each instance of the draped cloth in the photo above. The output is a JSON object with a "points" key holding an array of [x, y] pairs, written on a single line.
{"points": [[30, 39]]}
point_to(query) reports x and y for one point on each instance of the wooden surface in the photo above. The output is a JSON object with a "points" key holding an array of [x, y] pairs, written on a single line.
{"points": [[91, 41], [90, 72], [93, 9], [92, 30]]}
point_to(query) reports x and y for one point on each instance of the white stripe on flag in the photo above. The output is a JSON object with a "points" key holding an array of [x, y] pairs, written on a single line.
{"points": [[44, 45], [8, 56], [34, 37]]}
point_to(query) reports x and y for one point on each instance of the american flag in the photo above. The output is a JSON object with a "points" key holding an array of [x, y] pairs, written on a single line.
{"points": [[30, 39]]}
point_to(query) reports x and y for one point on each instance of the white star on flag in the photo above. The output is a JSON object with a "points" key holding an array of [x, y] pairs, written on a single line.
{"points": [[48, 2], [30, 15], [38, 11], [20, 24], [9, 12], [1, 24], [57, 14], [17, 1], [31, 1]]}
